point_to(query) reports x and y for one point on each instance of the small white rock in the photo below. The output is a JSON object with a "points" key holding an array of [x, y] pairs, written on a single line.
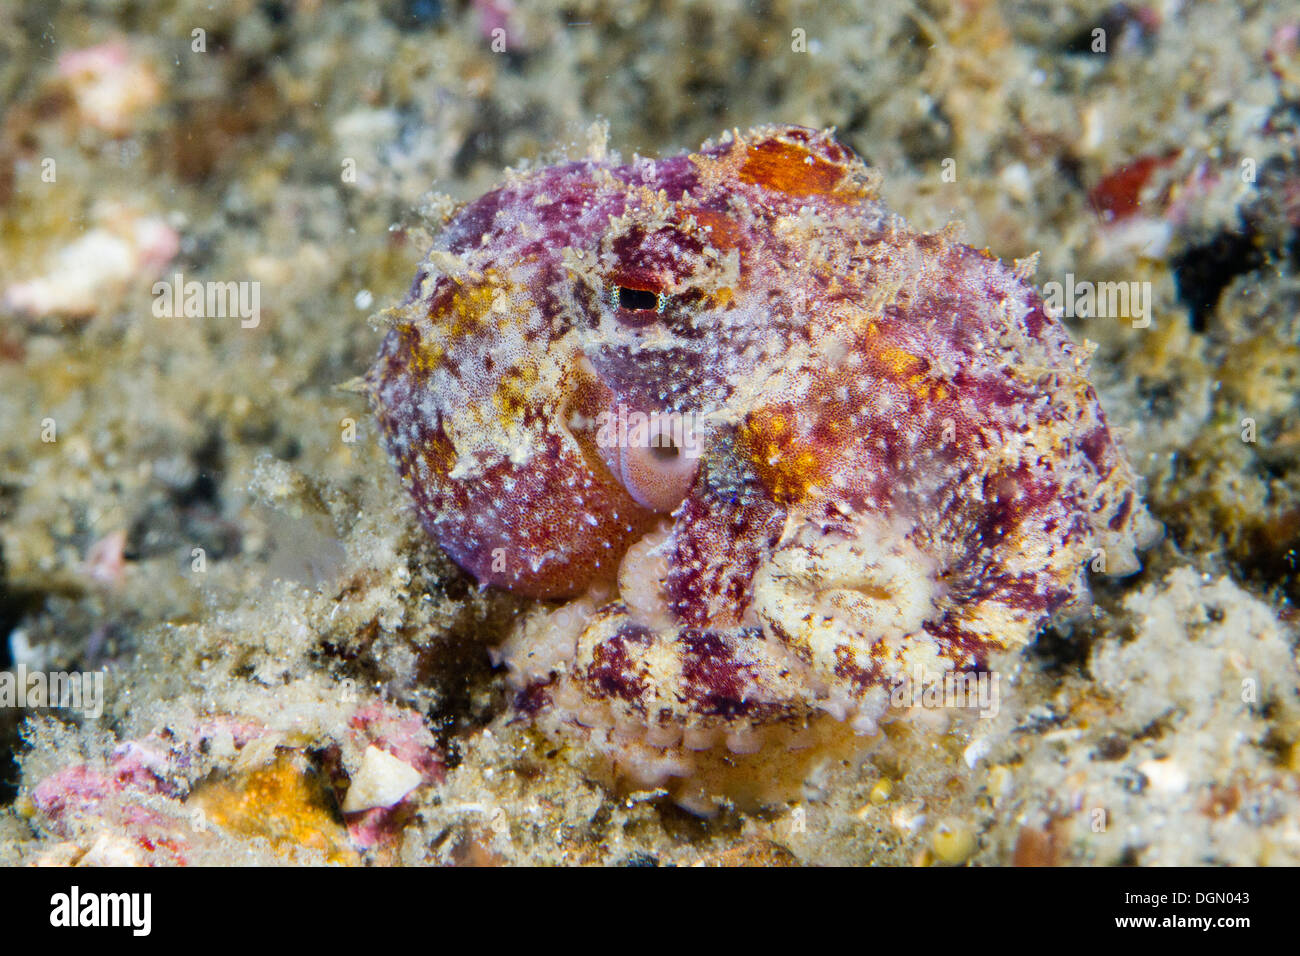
{"points": [[1017, 181], [1165, 775], [381, 781], [977, 751], [111, 850]]}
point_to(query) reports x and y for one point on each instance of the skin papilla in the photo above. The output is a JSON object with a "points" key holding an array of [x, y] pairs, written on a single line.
{"points": [[770, 449]]}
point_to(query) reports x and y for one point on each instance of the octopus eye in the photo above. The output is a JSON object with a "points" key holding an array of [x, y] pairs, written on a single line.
{"points": [[637, 300]]}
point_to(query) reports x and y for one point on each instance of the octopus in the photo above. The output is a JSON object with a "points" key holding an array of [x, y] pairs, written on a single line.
{"points": [[760, 449]]}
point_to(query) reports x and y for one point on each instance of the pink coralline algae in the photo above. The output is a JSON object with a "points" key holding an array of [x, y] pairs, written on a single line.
{"points": [[770, 449], [163, 799]]}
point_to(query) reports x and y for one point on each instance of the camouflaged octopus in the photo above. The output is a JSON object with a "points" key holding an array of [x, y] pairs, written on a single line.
{"points": [[771, 449]]}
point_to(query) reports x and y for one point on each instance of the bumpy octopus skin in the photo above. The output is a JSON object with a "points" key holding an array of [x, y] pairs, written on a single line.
{"points": [[892, 461]]}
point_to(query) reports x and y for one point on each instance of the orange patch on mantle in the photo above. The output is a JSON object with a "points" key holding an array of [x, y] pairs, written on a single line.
{"points": [[790, 168]]}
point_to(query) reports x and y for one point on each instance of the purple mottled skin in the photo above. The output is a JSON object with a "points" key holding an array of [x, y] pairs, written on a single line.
{"points": [[877, 454]]}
